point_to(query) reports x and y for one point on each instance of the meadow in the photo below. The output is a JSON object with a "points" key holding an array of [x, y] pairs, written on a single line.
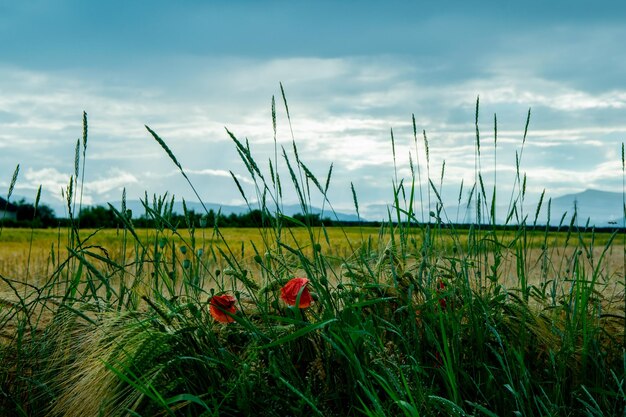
{"points": [[414, 318]]}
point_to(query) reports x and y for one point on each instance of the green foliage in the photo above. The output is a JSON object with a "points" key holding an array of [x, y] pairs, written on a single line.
{"points": [[423, 321], [93, 217], [29, 215], [98, 216]]}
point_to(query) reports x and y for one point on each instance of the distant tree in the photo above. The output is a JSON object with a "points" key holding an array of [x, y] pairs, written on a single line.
{"points": [[45, 215], [253, 218], [27, 216], [209, 219], [98, 216], [309, 219], [232, 220]]}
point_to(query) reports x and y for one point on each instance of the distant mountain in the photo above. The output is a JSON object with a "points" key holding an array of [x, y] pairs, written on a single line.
{"points": [[601, 208], [289, 209]]}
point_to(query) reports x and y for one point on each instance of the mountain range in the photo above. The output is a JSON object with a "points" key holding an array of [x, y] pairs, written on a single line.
{"points": [[593, 207], [599, 208]]}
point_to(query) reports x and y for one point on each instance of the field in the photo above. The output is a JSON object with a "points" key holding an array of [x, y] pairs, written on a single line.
{"points": [[412, 318], [34, 253]]}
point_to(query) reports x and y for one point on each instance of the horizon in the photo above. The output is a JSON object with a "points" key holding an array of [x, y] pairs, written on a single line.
{"points": [[595, 208], [351, 74]]}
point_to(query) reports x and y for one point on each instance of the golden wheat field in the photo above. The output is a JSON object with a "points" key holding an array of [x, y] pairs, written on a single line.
{"points": [[32, 256]]}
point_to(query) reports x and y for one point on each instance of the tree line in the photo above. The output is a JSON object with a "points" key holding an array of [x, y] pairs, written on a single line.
{"points": [[26, 215], [93, 217], [99, 216]]}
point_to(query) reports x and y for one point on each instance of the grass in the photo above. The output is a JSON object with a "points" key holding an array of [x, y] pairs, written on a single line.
{"points": [[417, 318]]}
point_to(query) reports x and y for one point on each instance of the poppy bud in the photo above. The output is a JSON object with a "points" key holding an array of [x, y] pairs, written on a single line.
{"points": [[441, 286], [219, 305], [289, 293]]}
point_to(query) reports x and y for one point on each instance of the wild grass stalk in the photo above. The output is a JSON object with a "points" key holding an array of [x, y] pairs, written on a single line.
{"points": [[9, 193], [423, 319]]}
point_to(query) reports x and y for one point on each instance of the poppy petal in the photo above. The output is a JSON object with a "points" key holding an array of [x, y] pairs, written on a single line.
{"points": [[294, 287], [219, 305]]}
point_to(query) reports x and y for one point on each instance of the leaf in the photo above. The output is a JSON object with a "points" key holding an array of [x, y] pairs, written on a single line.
{"points": [[298, 333]]}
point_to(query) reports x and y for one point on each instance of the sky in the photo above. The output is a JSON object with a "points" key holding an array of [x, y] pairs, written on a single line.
{"points": [[352, 72]]}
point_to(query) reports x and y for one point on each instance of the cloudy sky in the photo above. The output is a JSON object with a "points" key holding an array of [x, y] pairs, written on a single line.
{"points": [[351, 71]]}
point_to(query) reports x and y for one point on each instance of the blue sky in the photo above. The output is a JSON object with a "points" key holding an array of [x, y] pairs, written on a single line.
{"points": [[351, 70]]}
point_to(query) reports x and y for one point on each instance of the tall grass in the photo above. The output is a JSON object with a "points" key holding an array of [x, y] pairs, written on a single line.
{"points": [[424, 320]]}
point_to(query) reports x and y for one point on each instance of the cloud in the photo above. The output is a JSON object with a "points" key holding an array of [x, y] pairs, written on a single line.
{"points": [[218, 173], [534, 91], [52, 182], [595, 177], [49, 178], [342, 108], [116, 180]]}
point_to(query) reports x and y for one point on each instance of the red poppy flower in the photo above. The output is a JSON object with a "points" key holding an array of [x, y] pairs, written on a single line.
{"points": [[289, 293], [219, 305], [442, 300]]}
